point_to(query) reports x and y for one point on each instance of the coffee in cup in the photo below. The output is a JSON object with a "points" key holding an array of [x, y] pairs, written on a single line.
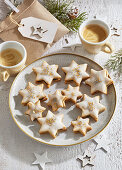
{"points": [[94, 35], [10, 57]]}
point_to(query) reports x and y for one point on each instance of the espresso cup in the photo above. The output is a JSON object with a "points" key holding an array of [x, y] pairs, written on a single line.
{"points": [[92, 47], [6, 71]]}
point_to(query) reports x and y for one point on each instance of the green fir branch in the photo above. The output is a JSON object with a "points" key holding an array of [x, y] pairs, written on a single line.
{"points": [[60, 10], [74, 24], [115, 62]]}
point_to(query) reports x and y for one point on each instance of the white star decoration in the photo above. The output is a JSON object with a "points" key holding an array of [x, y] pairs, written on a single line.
{"points": [[89, 155], [38, 30], [87, 158], [102, 142], [41, 160]]}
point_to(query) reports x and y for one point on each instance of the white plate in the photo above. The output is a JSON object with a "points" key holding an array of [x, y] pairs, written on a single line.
{"points": [[70, 112]]}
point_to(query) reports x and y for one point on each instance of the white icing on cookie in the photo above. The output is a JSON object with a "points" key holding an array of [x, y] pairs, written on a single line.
{"points": [[72, 93], [47, 73], [56, 100], [75, 72], [91, 107], [99, 81], [81, 125], [32, 93], [35, 110], [51, 123]]}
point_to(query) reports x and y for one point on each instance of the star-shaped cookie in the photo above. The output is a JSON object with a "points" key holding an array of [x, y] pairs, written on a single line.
{"points": [[72, 93], [81, 125], [99, 81], [47, 73], [91, 107], [56, 100], [32, 93], [75, 72], [51, 124], [35, 110]]}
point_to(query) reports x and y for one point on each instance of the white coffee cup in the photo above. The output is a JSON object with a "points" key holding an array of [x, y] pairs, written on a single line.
{"points": [[95, 48], [6, 71]]}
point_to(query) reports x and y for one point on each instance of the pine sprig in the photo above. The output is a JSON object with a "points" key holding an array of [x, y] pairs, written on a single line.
{"points": [[57, 8], [60, 10], [74, 24], [115, 62]]}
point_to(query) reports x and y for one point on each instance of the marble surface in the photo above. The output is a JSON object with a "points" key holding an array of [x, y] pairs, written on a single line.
{"points": [[16, 149]]}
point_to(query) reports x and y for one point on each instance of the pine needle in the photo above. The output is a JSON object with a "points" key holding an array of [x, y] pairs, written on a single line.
{"points": [[60, 10], [115, 62], [74, 24]]}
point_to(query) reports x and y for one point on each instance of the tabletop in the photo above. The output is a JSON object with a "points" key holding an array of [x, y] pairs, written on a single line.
{"points": [[16, 149]]}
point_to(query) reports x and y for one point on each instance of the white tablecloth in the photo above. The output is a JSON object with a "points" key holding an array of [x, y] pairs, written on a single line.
{"points": [[16, 149]]}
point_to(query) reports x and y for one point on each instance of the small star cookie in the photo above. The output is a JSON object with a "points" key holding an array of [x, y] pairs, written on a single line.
{"points": [[72, 93], [51, 124], [56, 100], [35, 110], [47, 73], [81, 125], [99, 81], [75, 72], [32, 93], [91, 107]]}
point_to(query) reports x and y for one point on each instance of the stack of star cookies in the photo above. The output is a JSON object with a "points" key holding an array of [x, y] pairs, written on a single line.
{"points": [[33, 96]]}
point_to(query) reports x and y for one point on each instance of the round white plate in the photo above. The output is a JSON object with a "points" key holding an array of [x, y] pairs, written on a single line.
{"points": [[70, 112]]}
